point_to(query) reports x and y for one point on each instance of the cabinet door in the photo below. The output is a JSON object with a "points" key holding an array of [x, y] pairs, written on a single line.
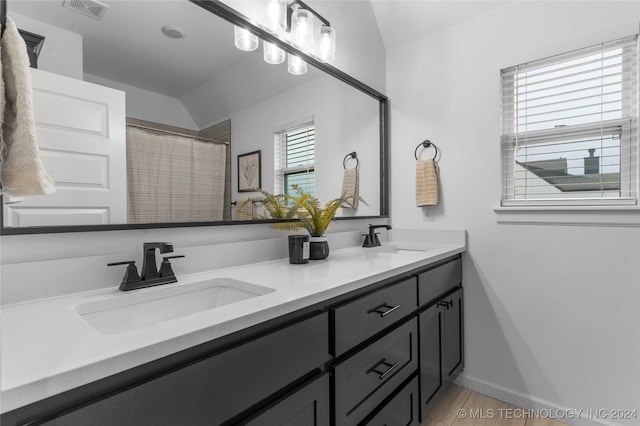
{"points": [[452, 335], [308, 406], [430, 322], [213, 390], [402, 410]]}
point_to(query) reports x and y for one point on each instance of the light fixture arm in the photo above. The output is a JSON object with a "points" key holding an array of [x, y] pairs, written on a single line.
{"points": [[306, 7]]}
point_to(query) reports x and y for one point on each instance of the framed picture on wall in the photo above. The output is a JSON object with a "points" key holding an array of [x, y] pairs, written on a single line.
{"points": [[249, 172]]}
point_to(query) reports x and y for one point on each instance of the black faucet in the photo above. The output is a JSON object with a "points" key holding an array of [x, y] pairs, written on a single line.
{"points": [[149, 266], [371, 239], [150, 275]]}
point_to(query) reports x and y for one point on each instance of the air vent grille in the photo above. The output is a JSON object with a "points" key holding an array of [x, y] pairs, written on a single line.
{"points": [[91, 8]]}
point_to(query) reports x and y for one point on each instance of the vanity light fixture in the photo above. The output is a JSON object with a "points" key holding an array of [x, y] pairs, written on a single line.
{"points": [[295, 22], [244, 40]]}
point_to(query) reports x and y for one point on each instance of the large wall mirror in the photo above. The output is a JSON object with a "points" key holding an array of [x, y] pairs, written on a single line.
{"points": [[150, 117]]}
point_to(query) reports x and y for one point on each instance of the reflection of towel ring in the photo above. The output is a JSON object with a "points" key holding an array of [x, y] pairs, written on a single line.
{"points": [[426, 144], [353, 155]]}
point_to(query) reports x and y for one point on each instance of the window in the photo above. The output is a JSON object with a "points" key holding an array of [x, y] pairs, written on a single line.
{"points": [[294, 159], [570, 128]]}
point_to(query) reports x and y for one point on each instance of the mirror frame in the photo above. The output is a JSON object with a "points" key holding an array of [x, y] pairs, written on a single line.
{"points": [[229, 14]]}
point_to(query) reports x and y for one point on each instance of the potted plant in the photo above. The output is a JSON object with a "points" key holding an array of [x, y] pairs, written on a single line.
{"points": [[311, 214]]}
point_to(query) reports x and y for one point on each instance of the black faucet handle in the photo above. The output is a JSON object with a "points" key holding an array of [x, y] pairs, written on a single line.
{"points": [[130, 274], [165, 267]]}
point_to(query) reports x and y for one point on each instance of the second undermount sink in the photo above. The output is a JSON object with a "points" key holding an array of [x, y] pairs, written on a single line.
{"points": [[399, 249], [131, 311]]}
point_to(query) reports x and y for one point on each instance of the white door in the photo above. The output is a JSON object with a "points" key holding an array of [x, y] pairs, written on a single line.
{"points": [[82, 139]]}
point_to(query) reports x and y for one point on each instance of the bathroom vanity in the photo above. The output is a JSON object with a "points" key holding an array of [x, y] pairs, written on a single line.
{"points": [[366, 336]]}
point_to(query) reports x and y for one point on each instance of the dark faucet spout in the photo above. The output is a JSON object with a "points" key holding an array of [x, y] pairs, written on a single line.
{"points": [[372, 240], [149, 265]]}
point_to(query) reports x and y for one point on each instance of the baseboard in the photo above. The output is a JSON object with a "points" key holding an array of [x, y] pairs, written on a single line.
{"points": [[571, 416]]}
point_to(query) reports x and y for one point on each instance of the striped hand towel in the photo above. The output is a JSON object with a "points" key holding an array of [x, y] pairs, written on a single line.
{"points": [[351, 188], [426, 183], [21, 170]]}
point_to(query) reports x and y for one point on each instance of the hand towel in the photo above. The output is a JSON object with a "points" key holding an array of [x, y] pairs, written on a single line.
{"points": [[351, 188], [21, 169], [426, 183]]}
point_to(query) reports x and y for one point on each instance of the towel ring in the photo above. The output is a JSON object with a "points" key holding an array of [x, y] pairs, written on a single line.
{"points": [[353, 155], [426, 144]]}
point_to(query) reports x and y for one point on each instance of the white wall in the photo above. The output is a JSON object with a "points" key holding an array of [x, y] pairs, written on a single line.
{"points": [[345, 120], [150, 106], [551, 313], [62, 50]]}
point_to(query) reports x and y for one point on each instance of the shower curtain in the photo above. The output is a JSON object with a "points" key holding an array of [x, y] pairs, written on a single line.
{"points": [[173, 178]]}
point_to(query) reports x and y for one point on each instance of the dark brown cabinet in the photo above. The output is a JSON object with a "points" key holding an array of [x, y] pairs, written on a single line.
{"points": [[308, 406], [452, 329], [375, 356], [441, 328], [366, 378], [216, 389]]}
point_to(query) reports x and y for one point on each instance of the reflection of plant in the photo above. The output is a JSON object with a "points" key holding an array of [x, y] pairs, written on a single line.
{"points": [[303, 206], [276, 207]]}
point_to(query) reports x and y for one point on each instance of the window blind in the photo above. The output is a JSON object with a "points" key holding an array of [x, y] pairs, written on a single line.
{"points": [[570, 127], [295, 155]]}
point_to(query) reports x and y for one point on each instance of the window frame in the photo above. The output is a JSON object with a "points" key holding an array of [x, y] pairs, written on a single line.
{"points": [[629, 197], [280, 141]]}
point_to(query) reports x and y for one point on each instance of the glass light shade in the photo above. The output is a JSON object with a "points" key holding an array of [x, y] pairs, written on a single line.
{"points": [[275, 18], [272, 53], [327, 48], [302, 29], [296, 66], [244, 40]]}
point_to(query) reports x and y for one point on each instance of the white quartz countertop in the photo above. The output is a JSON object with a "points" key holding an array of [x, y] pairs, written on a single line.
{"points": [[48, 348]]}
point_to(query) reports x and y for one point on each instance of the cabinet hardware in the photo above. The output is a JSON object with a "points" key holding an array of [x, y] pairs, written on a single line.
{"points": [[383, 374], [446, 304], [384, 309]]}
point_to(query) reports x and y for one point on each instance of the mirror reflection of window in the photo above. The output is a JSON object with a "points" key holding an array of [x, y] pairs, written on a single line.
{"points": [[295, 159]]}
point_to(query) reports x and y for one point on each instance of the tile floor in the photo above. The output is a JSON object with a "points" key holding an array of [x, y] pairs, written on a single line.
{"points": [[458, 406]]}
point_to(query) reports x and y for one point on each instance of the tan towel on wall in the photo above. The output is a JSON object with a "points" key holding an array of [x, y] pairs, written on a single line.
{"points": [[351, 188], [21, 170], [426, 183]]}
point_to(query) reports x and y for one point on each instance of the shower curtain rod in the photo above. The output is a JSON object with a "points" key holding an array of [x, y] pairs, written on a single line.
{"points": [[178, 134]]}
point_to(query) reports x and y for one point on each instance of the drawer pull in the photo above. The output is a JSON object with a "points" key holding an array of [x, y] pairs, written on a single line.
{"points": [[383, 374], [384, 309]]}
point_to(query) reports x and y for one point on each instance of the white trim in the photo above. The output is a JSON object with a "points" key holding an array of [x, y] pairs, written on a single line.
{"points": [[528, 402], [293, 124], [624, 216]]}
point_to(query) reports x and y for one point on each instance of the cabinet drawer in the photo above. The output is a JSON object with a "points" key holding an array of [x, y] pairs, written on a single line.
{"points": [[211, 391], [402, 410], [365, 379], [437, 281], [307, 406], [362, 318]]}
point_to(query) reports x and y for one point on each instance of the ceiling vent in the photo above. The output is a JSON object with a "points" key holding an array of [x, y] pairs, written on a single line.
{"points": [[91, 8]]}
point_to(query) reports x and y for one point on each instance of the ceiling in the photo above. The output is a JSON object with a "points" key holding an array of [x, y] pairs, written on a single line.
{"points": [[401, 21], [124, 48]]}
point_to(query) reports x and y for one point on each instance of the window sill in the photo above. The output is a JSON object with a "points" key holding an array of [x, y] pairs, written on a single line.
{"points": [[625, 216]]}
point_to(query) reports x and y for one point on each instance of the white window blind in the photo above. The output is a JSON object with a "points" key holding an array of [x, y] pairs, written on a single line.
{"points": [[295, 159], [570, 128]]}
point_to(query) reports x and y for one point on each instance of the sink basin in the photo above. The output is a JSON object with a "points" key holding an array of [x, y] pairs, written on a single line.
{"points": [[393, 249], [131, 311]]}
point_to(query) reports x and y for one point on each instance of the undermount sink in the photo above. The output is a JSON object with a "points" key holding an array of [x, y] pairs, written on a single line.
{"points": [[131, 311], [395, 249]]}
